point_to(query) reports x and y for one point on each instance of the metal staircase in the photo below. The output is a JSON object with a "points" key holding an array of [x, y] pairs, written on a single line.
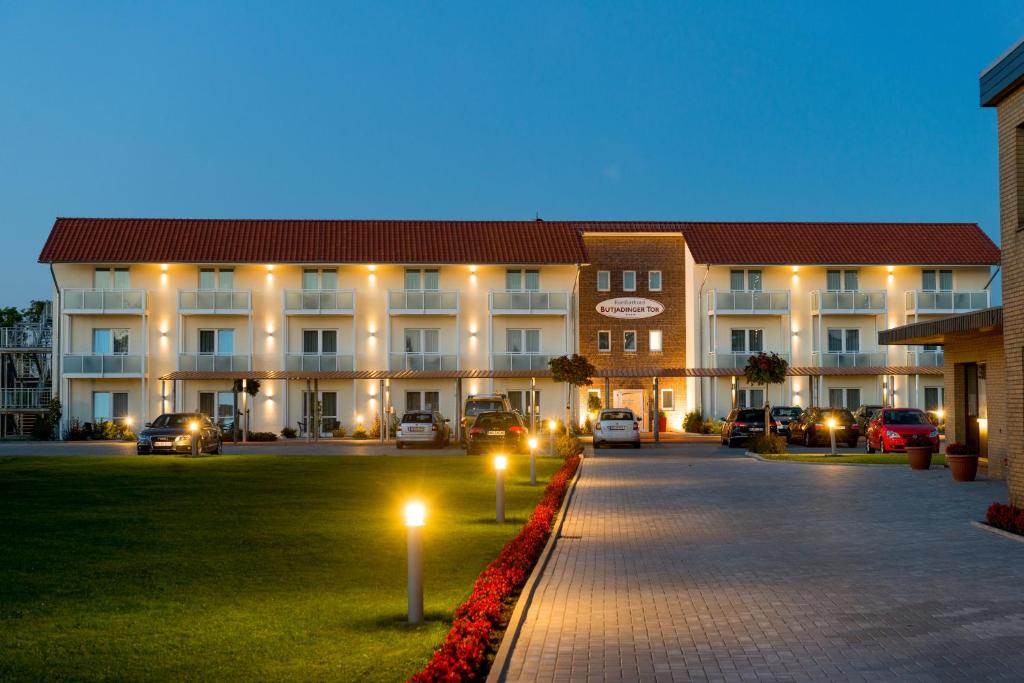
{"points": [[25, 374]]}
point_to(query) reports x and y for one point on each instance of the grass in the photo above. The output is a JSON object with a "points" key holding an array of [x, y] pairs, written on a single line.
{"points": [[238, 567], [938, 460]]}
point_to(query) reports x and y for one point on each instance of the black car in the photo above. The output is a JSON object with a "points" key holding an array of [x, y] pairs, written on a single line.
{"points": [[743, 423], [784, 415], [172, 433], [498, 431], [863, 415], [811, 428]]}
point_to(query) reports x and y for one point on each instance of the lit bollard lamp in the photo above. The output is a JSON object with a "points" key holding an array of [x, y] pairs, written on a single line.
{"points": [[193, 430], [415, 517], [533, 461], [552, 426], [500, 465], [832, 433]]}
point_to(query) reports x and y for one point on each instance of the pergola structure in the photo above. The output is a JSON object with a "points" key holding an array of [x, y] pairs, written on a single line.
{"points": [[313, 378]]}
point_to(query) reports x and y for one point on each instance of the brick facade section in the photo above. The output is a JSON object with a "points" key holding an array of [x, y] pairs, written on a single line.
{"points": [[987, 350]]}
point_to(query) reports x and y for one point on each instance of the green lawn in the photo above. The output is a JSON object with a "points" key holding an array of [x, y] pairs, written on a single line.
{"points": [[938, 460], [237, 567]]}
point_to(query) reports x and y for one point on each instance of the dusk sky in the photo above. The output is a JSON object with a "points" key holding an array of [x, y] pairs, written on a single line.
{"points": [[596, 110]]}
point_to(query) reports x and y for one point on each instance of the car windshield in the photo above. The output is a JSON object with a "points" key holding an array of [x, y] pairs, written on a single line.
{"points": [[477, 407], [785, 412], [905, 417], [750, 416], [176, 420], [421, 418], [616, 415], [841, 414], [495, 420]]}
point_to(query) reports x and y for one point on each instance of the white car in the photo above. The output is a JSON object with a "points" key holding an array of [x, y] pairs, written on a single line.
{"points": [[422, 427], [616, 426]]}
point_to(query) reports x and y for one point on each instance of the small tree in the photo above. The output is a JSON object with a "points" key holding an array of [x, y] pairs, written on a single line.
{"points": [[575, 371], [766, 369]]}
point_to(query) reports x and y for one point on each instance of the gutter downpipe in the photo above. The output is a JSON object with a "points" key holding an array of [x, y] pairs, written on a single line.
{"points": [[55, 357], [700, 337]]}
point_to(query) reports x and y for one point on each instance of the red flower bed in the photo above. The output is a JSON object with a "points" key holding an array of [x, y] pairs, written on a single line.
{"points": [[1005, 517], [463, 655]]}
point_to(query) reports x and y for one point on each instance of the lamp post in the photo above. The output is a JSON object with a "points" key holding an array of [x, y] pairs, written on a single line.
{"points": [[415, 516], [193, 429], [552, 425], [832, 433], [533, 461], [500, 464]]}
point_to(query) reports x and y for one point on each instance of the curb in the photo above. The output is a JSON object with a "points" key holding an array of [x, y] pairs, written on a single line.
{"points": [[500, 663], [755, 456], [999, 532]]}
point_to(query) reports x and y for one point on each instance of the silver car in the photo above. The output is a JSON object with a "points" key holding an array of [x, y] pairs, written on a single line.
{"points": [[616, 426], [422, 427]]}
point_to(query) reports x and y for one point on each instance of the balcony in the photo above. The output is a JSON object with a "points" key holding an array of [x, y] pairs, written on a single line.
{"points": [[423, 302], [734, 360], [520, 361], [102, 365], [26, 338], [504, 302], [956, 301], [318, 362], [214, 301], [210, 362], [849, 359], [25, 399], [749, 302], [103, 301], [926, 359], [853, 302], [319, 301], [423, 361]]}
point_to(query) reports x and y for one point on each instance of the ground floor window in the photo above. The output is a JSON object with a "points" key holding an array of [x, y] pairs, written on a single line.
{"points": [[594, 399], [109, 406], [749, 398], [843, 398], [521, 401], [422, 400], [328, 410], [668, 399], [934, 397], [219, 406]]}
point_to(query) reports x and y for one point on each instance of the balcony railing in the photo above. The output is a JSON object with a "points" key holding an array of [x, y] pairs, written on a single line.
{"points": [[102, 364], [506, 302], [928, 359], [25, 399], [415, 301], [26, 337], [210, 362], [424, 361], [849, 359], [320, 301], [130, 301], [735, 360], [750, 301], [856, 302], [956, 301], [215, 301], [318, 362], [520, 361]]}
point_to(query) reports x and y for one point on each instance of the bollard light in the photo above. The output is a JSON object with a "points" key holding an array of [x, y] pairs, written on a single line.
{"points": [[500, 465], [832, 433], [533, 461], [552, 426], [415, 518], [193, 428]]}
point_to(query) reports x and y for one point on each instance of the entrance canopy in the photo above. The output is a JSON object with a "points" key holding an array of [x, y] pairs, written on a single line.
{"points": [[938, 331]]}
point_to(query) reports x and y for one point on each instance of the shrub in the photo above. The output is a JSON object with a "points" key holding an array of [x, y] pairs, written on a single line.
{"points": [[288, 432], [75, 432], [957, 448], [262, 436], [339, 432], [567, 446], [588, 426], [1005, 517], [112, 431], [374, 432], [693, 422], [359, 432], [767, 444], [712, 426]]}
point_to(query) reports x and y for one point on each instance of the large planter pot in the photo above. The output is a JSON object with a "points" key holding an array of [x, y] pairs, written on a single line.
{"points": [[963, 467], [663, 424], [919, 457]]}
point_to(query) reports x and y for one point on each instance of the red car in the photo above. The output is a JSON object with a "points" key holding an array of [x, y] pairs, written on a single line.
{"points": [[893, 429]]}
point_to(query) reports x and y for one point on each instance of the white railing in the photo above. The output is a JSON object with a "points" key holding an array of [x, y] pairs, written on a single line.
{"points": [[751, 301], [423, 301], [102, 364], [735, 360], [318, 362], [320, 301], [423, 361], [213, 362], [508, 301], [928, 359], [25, 399], [131, 301], [858, 301], [955, 301], [849, 359], [214, 301], [520, 361]]}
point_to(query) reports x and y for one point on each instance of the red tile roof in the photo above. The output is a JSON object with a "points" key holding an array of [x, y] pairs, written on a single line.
{"points": [[161, 240]]}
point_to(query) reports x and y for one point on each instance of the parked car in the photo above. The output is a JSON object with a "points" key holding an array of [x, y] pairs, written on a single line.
{"points": [[172, 433], [811, 428], [863, 415], [784, 415], [480, 403], [893, 429], [616, 426], [743, 423], [422, 427], [498, 430]]}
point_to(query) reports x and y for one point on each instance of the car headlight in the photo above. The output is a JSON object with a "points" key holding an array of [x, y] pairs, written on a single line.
{"points": [[934, 433], [891, 434]]}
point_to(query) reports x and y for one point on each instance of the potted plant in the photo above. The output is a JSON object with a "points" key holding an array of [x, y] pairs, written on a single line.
{"points": [[962, 461], [919, 457], [662, 421]]}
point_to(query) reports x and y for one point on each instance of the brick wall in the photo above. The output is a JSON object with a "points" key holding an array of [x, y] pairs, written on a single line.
{"points": [[987, 349]]}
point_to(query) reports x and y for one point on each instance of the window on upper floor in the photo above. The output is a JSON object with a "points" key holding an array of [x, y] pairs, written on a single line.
{"points": [[216, 278], [654, 341], [843, 340], [744, 280], [654, 280], [110, 278], [841, 280], [316, 278], [629, 341], [216, 341], [110, 340], [422, 340], [629, 281], [747, 340], [604, 341], [517, 280], [937, 280], [522, 341], [604, 280], [417, 279], [320, 341]]}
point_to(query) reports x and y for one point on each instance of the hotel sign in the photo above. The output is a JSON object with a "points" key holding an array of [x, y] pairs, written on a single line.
{"points": [[630, 307]]}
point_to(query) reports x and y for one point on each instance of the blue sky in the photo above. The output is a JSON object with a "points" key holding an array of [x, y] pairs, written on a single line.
{"points": [[596, 110]]}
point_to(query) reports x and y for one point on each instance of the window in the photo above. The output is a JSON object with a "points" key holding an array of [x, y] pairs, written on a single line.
{"points": [[315, 278], [216, 341], [937, 280], [749, 398], [110, 340], [422, 341], [422, 279], [522, 402], [522, 280], [741, 280], [841, 280], [328, 410], [604, 280], [934, 397], [522, 341], [843, 398], [216, 278], [110, 278], [594, 399], [843, 340], [422, 400], [629, 281], [320, 341], [109, 406], [219, 406], [668, 399], [654, 343], [629, 341], [654, 281], [747, 341], [604, 341]]}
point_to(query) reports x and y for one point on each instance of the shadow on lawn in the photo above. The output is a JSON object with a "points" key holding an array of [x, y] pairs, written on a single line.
{"points": [[508, 520], [397, 622]]}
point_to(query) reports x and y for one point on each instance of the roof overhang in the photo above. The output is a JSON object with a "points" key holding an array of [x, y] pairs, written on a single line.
{"points": [[1003, 76], [939, 331]]}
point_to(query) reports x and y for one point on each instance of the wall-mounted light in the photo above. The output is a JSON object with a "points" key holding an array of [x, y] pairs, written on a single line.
{"points": [[796, 269], [373, 334], [164, 267]]}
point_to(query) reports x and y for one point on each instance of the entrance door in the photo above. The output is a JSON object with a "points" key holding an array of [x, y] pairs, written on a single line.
{"points": [[328, 409], [635, 400], [971, 406]]}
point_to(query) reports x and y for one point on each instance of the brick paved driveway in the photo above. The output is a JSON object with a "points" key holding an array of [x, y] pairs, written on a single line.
{"points": [[691, 562]]}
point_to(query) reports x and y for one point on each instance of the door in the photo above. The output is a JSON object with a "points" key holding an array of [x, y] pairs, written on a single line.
{"points": [[971, 406], [635, 400]]}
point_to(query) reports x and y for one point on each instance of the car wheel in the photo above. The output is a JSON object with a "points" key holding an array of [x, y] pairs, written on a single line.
{"points": [[636, 444], [867, 446]]}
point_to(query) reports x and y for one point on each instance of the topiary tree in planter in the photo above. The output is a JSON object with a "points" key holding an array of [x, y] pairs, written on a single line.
{"points": [[765, 369], [574, 370]]}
